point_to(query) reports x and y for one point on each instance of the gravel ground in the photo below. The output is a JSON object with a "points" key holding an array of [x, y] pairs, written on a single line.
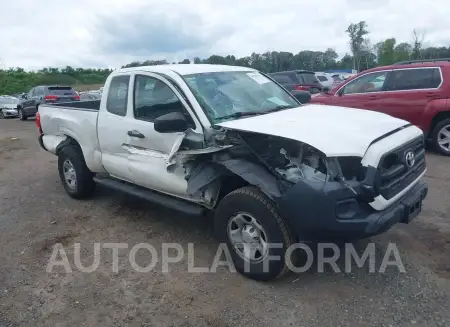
{"points": [[35, 214]]}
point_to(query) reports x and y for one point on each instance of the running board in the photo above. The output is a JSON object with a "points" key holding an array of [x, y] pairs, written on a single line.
{"points": [[151, 196]]}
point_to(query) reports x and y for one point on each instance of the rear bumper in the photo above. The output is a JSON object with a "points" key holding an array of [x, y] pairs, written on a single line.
{"points": [[333, 213]]}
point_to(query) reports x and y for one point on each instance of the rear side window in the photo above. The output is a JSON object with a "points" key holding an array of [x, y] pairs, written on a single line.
{"points": [[39, 91], [307, 78], [60, 90], [116, 102], [415, 79], [282, 79], [321, 78]]}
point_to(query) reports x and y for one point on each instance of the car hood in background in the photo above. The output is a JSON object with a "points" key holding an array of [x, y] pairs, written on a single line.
{"points": [[336, 131]]}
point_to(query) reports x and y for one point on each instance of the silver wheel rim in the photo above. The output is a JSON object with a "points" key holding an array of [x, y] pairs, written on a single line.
{"points": [[444, 138], [248, 237], [70, 176]]}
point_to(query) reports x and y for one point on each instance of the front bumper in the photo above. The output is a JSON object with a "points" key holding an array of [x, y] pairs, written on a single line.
{"points": [[315, 212], [9, 113]]}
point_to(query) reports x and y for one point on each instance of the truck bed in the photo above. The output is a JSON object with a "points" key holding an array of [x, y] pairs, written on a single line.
{"points": [[80, 105], [74, 119]]}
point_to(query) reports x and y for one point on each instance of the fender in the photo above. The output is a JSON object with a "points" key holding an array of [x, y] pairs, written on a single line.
{"points": [[432, 109]]}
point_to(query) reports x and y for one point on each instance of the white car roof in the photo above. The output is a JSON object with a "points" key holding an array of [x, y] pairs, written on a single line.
{"points": [[184, 69]]}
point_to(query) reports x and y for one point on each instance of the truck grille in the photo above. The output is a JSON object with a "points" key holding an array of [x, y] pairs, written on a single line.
{"points": [[400, 167]]}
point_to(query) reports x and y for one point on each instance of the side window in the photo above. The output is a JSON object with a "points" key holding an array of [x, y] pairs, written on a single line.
{"points": [[116, 102], [39, 91], [373, 82], [282, 79], [415, 79], [154, 98], [321, 78]]}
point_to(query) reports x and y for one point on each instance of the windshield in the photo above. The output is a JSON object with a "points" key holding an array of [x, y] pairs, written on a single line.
{"points": [[226, 95], [9, 101]]}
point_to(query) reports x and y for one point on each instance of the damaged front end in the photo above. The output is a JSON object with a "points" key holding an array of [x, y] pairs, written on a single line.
{"points": [[271, 163]]}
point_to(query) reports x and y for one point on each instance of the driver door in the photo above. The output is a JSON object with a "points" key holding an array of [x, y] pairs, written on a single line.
{"points": [[149, 151], [364, 92]]}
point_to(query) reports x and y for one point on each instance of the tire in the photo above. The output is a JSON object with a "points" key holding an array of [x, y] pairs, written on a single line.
{"points": [[436, 137], [2, 116], [250, 203], [71, 161], [22, 116]]}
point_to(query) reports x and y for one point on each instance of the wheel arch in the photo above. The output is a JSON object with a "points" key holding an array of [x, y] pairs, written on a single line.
{"points": [[437, 118]]}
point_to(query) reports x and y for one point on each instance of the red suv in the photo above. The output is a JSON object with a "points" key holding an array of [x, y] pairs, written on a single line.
{"points": [[416, 91]]}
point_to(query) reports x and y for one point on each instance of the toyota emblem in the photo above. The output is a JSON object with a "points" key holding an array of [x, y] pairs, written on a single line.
{"points": [[410, 159]]}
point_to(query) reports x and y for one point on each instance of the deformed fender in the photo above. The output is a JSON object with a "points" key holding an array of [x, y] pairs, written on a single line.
{"points": [[52, 143], [255, 175], [251, 172], [203, 175]]}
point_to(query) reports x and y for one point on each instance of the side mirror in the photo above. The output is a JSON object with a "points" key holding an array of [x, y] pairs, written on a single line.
{"points": [[171, 123], [340, 92], [301, 96], [326, 89], [25, 96]]}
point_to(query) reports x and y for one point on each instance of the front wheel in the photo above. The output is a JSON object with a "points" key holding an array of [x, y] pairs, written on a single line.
{"points": [[257, 237], [76, 177], [441, 137], [22, 116]]}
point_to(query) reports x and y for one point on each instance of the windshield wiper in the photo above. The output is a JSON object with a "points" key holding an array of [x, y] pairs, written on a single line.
{"points": [[240, 114]]}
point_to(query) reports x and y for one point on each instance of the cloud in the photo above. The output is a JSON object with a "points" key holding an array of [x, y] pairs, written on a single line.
{"points": [[153, 33], [111, 33]]}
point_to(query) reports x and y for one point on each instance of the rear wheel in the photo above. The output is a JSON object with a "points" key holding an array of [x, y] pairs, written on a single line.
{"points": [[22, 116], [76, 177], [441, 137], [257, 237], [2, 116]]}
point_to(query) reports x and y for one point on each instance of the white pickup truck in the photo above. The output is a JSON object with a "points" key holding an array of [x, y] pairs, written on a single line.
{"points": [[231, 140]]}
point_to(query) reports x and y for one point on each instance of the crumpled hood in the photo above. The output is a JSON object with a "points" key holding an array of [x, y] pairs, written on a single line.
{"points": [[336, 131]]}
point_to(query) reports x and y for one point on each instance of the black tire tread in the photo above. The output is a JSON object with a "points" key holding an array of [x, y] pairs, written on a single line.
{"points": [[255, 193], [24, 117], [85, 182]]}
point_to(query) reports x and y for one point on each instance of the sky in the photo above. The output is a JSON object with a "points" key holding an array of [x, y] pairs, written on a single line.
{"points": [[110, 33]]}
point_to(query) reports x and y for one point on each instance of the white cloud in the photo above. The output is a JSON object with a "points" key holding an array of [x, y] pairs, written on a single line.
{"points": [[110, 33]]}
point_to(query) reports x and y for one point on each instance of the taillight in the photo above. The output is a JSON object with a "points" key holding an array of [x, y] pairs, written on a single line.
{"points": [[301, 87], [38, 123], [50, 98], [76, 97]]}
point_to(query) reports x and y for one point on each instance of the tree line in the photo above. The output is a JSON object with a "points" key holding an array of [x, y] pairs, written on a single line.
{"points": [[364, 54]]}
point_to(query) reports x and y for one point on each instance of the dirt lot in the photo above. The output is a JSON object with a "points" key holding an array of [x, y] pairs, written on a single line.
{"points": [[35, 213]]}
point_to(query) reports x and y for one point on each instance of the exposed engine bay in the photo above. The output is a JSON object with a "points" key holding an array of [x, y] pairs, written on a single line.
{"points": [[270, 162]]}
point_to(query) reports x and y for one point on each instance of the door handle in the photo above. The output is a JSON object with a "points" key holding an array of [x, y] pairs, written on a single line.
{"points": [[135, 133], [373, 97], [431, 95]]}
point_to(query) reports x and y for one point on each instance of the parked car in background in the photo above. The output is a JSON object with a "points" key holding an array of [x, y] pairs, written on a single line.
{"points": [[228, 139], [85, 96], [301, 80], [337, 80], [325, 79], [45, 94], [8, 107], [416, 91]]}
